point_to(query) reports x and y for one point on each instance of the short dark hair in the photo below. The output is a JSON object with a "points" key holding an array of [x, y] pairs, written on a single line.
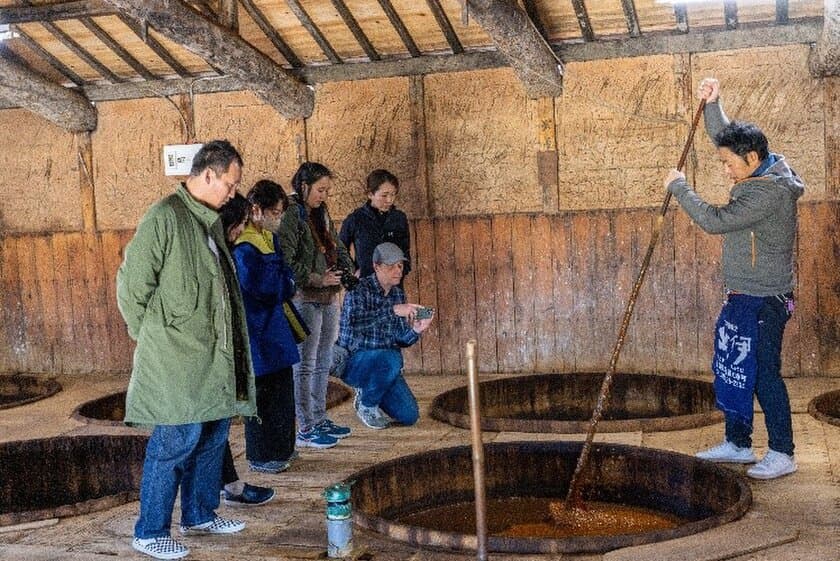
{"points": [[377, 177], [743, 138], [234, 212], [216, 155], [266, 194]]}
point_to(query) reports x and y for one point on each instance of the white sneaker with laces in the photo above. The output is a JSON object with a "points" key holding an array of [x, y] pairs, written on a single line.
{"points": [[218, 525], [772, 465], [160, 548], [726, 452]]}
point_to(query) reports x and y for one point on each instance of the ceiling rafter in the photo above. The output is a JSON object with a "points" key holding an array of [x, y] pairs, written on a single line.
{"points": [[225, 50], [314, 31], [65, 39], [583, 20], [356, 30], [109, 41], [156, 47], [21, 86], [516, 37], [681, 17], [445, 26], [730, 14], [272, 34], [782, 15], [28, 13], [632, 17], [59, 66], [399, 27]]}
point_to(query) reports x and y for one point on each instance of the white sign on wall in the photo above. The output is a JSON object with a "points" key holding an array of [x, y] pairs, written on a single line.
{"points": [[177, 158]]}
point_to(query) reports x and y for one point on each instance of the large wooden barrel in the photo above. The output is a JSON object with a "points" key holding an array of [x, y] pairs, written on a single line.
{"points": [[68, 475], [19, 389], [826, 407], [702, 494], [110, 409], [563, 403]]}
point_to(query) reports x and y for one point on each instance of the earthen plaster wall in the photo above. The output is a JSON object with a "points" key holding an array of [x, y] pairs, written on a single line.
{"points": [[40, 182], [461, 143]]}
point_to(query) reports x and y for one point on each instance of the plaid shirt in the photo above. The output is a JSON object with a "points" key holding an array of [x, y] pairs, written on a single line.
{"points": [[368, 320]]}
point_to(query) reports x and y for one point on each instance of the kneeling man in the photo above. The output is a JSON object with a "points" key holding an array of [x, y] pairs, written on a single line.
{"points": [[376, 322]]}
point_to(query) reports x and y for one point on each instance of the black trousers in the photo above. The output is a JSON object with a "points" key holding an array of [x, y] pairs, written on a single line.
{"points": [[229, 474], [271, 436]]}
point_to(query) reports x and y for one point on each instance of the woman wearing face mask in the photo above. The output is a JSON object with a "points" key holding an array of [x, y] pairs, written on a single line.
{"points": [[376, 222], [316, 256], [234, 215], [266, 282]]}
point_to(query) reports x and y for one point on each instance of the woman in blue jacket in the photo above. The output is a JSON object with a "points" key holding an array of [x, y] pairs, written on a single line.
{"points": [[377, 221], [266, 282]]}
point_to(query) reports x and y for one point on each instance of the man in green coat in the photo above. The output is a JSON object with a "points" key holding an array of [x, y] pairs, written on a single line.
{"points": [[180, 299]]}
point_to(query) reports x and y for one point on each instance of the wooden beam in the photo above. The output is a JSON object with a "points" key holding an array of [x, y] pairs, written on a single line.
{"points": [[109, 41], [515, 36], [24, 88], [534, 13], [84, 150], [54, 12], [445, 26], [272, 34], [47, 56], [314, 31], [583, 20], [356, 30], [80, 52], [225, 50], [156, 47], [399, 26], [632, 17], [782, 15], [746, 37], [825, 58], [730, 13], [681, 16]]}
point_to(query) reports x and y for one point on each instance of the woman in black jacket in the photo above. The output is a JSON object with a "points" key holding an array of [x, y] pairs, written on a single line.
{"points": [[377, 221]]}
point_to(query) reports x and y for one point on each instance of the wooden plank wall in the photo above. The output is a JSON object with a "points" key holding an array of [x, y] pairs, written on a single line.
{"points": [[538, 292]]}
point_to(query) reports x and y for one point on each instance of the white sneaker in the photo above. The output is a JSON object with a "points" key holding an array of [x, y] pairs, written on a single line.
{"points": [[160, 548], [726, 452], [772, 465]]}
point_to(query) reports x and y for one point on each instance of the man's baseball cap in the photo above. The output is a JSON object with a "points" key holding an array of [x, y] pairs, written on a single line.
{"points": [[388, 254]]}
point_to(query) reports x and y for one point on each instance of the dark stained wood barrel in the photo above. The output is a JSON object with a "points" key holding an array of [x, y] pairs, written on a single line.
{"points": [[68, 475], [826, 407], [563, 403], [19, 389], [110, 409], [705, 495]]}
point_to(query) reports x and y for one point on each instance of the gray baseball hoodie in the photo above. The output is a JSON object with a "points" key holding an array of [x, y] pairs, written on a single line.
{"points": [[758, 223]]}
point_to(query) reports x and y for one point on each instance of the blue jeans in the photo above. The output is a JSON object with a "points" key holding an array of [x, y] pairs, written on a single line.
{"points": [[378, 373], [186, 456], [313, 371], [769, 386]]}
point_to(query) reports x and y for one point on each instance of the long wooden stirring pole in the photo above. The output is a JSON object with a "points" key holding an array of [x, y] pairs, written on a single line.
{"points": [[574, 496], [477, 455]]}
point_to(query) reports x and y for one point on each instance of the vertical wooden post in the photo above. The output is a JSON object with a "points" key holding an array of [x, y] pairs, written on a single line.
{"points": [[416, 94], [832, 137], [184, 104], [84, 153], [546, 141]]}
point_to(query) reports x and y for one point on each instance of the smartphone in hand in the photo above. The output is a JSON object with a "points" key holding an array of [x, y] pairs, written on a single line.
{"points": [[424, 313]]}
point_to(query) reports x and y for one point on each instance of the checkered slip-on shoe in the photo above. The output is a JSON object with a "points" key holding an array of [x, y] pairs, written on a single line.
{"points": [[160, 548], [218, 525]]}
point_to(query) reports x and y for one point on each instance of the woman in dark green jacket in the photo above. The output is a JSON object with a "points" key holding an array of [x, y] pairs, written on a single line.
{"points": [[317, 257]]}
